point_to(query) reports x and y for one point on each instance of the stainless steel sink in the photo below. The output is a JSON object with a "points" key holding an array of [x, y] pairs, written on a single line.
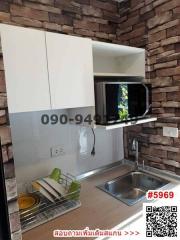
{"points": [[132, 187]]}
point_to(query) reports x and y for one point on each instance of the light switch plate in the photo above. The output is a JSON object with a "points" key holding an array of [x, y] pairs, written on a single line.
{"points": [[170, 132]]}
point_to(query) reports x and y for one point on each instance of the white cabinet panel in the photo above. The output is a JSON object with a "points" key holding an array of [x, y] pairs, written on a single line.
{"points": [[24, 52], [70, 67]]}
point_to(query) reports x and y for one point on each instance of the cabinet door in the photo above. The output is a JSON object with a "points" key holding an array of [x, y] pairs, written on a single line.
{"points": [[70, 71], [25, 62]]}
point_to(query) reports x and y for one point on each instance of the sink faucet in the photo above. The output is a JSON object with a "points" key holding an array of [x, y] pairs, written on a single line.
{"points": [[135, 148]]}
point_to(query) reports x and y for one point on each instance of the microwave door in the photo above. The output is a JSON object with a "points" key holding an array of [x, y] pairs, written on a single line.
{"points": [[117, 102], [4, 216], [137, 100], [122, 101], [112, 99]]}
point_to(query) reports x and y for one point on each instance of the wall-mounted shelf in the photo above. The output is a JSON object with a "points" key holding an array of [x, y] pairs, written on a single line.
{"points": [[126, 124], [115, 75], [118, 60]]}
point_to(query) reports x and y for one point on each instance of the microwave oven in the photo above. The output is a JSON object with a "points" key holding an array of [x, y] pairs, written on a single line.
{"points": [[121, 99]]}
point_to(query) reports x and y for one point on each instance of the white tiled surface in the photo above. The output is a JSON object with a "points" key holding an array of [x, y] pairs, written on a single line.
{"points": [[32, 142]]}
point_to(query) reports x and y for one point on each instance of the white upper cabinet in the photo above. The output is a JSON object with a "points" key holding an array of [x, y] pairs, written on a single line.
{"points": [[25, 62], [55, 71], [70, 66]]}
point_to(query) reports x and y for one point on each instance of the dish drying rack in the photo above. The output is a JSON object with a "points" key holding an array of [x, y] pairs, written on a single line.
{"points": [[46, 210]]}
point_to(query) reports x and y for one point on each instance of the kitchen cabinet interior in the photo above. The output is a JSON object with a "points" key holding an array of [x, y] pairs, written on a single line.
{"points": [[118, 60]]}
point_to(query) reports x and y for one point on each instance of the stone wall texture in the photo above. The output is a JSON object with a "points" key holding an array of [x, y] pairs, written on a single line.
{"points": [[155, 26], [150, 24], [7, 158]]}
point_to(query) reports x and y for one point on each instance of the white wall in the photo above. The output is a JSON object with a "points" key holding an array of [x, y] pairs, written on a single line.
{"points": [[32, 142]]}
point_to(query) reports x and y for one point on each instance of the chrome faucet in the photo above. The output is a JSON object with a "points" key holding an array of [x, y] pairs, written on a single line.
{"points": [[135, 148]]}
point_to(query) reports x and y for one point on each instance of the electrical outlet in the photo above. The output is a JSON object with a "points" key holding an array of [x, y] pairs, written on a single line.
{"points": [[57, 151], [170, 132]]}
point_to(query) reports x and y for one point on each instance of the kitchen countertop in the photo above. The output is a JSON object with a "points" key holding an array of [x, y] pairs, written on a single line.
{"points": [[98, 210]]}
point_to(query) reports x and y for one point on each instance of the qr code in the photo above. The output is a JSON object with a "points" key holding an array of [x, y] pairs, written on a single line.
{"points": [[161, 221]]}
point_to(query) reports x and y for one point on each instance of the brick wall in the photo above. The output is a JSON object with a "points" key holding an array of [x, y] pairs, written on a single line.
{"points": [[7, 158], [90, 18], [155, 26]]}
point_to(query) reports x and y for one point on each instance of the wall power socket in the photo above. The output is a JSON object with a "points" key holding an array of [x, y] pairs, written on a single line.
{"points": [[170, 132], [57, 151]]}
